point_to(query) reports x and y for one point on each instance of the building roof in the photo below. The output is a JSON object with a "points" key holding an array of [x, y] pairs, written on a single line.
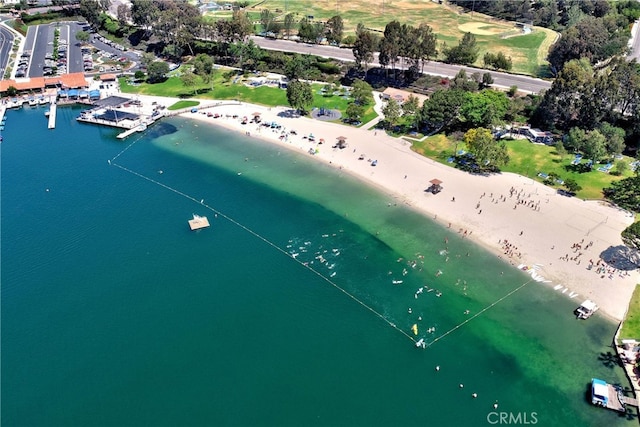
{"points": [[400, 95], [73, 80], [108, 77]]}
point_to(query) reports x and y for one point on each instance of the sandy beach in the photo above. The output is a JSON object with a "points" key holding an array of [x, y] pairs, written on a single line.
{"points": [[558, 239]]}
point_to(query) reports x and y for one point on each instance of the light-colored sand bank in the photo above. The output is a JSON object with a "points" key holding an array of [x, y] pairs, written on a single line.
{"points": [[522, 221]]}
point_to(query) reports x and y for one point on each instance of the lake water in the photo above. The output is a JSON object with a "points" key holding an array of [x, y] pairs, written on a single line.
{"points": [[283, 312]]}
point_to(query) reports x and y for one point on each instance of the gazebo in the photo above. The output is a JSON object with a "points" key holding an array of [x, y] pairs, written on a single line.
{"points": [[342, 142], [436, 186], [256, 117]]}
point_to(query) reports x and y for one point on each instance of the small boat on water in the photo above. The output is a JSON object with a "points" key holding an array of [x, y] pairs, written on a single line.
{"points": [[46, 113], [421, 344], [586, 309]]}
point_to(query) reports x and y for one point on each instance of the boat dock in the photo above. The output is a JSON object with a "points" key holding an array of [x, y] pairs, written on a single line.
{"points": [[617, 400], [198, 222], [52, 114], [126, 133], [3, 109]]}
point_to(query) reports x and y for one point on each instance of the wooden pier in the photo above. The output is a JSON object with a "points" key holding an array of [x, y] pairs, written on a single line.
{"points": [[616, 399], [52, 115]]}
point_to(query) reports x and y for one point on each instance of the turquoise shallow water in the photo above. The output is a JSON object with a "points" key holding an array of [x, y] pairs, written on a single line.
{"points": [[114, 313]]}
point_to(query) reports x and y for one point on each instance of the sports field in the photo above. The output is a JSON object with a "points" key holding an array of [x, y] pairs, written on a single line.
{"points": [[528, 51]]}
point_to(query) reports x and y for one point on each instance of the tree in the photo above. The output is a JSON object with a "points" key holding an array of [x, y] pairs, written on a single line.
{"points": [[631, 236], [189, 80], [390, 44], [82, 36], [335, 29], [123, 13], [91, 9], [144, 13], [354, 112], [614, 138], [487, 80], [466, 52], [147, 59], [157, 71], [307, 31], [297, 67], [266, 19], [498, 61], [299, 95], [289, 22], [391, 112], [240, 26], [485, 108], [572, 186], [426, 43], [441, 110], [363, 47], [411, 105], [575, 140], [362, 92], [625, 193], [485, 149], [594, 145], [202, 64], [12, 91]]}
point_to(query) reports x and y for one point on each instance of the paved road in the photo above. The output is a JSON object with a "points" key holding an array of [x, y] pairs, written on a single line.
{"points": [[6, 43], [524, 83]]}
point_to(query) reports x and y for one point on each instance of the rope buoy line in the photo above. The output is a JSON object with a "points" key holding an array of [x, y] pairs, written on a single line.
{"points": [[317, 273], [479, 313]]}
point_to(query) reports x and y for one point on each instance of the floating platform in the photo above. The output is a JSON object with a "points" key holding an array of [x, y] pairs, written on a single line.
{"points": [[52, 115], [198, 222]]}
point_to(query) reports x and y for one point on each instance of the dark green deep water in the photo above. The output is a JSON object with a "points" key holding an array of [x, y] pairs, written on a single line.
{"points": [[114, 313]]}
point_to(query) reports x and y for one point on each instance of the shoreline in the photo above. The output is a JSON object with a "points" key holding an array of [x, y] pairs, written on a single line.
{"points": [[557, 239]]}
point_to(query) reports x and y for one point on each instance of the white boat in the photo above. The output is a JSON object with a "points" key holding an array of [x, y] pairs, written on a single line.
{"points": [[421, 344], [586, 309]]}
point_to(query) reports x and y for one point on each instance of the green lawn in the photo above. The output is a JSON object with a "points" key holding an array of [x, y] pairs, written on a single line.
{"points": [[183, 104], [224, 88], [631, 325], [529, 159], [528, 52]]}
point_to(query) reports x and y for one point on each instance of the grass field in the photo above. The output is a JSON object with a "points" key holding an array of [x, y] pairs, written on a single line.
{"points": [[528, 52], [224, 88], [631, 326], [529, 159]]}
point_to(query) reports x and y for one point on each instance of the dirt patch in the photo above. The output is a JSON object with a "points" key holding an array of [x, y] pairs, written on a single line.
{"points": [[481, 28]]}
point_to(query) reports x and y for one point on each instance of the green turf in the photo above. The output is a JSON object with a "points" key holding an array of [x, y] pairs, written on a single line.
{"points": [[183, 104], [528, 52], [224, 88], [529, 159], [631, 326]]}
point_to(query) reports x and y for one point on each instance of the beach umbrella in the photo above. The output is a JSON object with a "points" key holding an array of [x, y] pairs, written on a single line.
{"points": [[435, 181], [341, 138], [256, 114]]}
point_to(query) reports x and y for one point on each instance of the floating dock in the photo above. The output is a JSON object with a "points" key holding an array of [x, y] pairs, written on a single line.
{"points": [[52, 115], [198, 222], [139, 128]]}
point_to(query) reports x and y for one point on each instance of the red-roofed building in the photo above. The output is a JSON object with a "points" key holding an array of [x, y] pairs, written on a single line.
{"points": [[40, 84]]}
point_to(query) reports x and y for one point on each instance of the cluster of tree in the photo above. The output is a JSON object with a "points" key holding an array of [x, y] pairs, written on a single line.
{"points": [[466, 52], [586, 98], [362, 94], [402, 42], [593, 38], [393, 110], [315, 31], [625, 193], [467, 103], [596, 143], [497, 61]]}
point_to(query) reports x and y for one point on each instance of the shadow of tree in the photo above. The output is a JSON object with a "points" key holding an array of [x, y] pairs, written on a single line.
{"points": [[621, 257], [609, 359]]}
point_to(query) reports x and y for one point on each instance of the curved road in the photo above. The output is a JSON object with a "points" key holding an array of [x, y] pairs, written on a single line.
{"points": [[6, 44], [524, 83]]}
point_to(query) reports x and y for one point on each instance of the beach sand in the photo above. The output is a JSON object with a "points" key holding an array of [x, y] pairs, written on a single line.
{"points": [[520, 220]]}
